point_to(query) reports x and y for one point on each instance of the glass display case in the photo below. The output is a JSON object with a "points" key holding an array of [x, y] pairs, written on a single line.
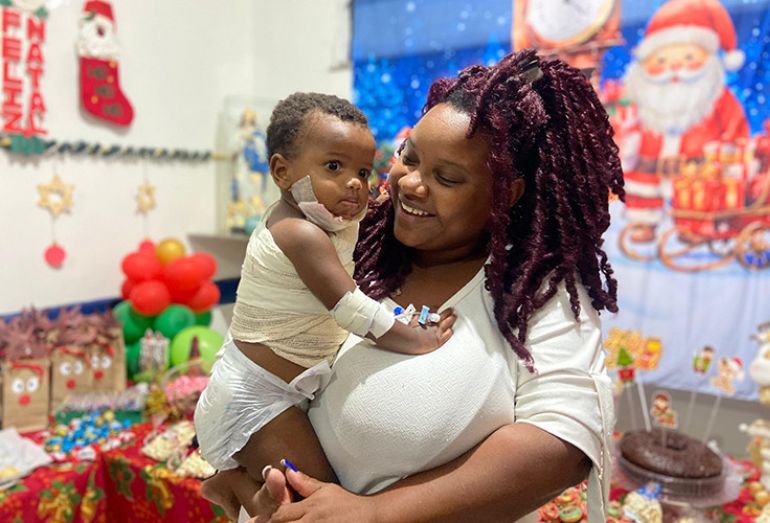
{"points": [[244, 187]]}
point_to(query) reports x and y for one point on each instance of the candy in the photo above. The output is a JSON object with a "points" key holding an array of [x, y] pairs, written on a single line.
{"points": [[83, 433], [185, 386]]}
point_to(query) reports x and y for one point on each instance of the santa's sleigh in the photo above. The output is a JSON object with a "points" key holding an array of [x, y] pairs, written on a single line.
{"points": [[715, 221]]}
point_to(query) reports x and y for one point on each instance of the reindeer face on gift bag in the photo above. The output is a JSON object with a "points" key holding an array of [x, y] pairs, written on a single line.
{"points": [[70, 374], [107, 353], [106, 368], [25, 394]]}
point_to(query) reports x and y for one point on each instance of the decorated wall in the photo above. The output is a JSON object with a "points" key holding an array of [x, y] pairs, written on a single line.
{"points": [[684, 82], [176, 84]]}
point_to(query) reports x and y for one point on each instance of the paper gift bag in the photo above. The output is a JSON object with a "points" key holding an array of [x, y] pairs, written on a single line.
{"points": [[70, 373], [108, 362], [25, 394]]}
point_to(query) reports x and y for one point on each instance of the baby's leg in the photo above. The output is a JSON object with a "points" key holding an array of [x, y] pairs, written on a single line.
{"points": [[291, 436], [224, 488]]}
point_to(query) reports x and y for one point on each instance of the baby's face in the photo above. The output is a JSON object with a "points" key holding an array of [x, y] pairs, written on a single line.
{"points": [[339, 157]]}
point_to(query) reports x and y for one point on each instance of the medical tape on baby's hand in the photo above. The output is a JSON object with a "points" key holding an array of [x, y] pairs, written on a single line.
{"points": [[359, 314]]}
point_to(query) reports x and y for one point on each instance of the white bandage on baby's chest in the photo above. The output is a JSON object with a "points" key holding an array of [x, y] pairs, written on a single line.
{"points": [[359, 314]]}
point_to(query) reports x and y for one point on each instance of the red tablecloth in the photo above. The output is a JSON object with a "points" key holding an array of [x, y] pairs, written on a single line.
{"points": [[119, 485], [124, 485]]}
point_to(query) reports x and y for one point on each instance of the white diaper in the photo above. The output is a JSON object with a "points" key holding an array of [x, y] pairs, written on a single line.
{"points": [[241, 398]]}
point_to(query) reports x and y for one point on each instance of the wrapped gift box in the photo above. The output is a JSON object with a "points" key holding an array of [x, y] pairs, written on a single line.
{"points": [[699, 194]]}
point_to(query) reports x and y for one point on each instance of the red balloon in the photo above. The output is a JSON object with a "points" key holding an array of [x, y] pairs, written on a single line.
{"points": [[147, 247], [125, 289], [182, 297], [206, 263], [150, 297], [140, 266], [206, 297], [182, 274]]}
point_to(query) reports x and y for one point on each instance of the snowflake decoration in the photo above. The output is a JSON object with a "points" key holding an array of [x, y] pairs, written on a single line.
{"points": [[56, 196], [145, 198]]}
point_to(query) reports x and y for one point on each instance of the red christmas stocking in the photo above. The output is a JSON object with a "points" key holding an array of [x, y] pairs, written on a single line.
{"points": [[100, 90]]}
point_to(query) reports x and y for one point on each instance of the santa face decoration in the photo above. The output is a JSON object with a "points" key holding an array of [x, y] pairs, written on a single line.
{"points": [[100, 90], [96, 38], [675, 61], [70, 374], [25, 395]]}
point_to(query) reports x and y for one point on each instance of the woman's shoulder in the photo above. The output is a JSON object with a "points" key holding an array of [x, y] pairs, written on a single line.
{"points": [[559, 306]]}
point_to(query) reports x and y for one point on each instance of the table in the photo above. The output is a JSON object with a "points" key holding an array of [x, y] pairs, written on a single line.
{"points": [[119, 485], [124, 485]]}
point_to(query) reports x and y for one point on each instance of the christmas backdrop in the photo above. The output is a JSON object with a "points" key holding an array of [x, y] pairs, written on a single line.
{"points": [[691, 245]]}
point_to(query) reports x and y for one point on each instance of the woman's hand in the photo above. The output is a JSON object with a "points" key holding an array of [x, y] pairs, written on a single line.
{"points": [[273, 493], [323, 502]]}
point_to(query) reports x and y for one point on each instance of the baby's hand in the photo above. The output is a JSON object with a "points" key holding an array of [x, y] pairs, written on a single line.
{"points": [[433, 335]]}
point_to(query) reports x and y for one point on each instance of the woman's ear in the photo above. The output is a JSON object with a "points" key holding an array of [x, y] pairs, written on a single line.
{"points": [[280, 168], [517, 190]]}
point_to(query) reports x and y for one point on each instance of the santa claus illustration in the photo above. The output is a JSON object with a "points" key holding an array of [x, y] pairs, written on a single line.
{"points": [[678, 87]]}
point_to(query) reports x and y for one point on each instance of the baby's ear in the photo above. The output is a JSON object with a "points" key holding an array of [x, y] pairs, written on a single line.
{"points": [[280, 171]]}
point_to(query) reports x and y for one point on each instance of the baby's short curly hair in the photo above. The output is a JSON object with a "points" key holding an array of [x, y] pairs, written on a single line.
{"points": [[291, 114]]}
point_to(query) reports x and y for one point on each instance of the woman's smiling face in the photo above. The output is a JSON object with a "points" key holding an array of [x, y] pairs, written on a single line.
{"points": [[441, 187]]}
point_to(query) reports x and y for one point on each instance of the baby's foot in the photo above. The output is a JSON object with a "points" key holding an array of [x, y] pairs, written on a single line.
{"points": [[217, 489]]}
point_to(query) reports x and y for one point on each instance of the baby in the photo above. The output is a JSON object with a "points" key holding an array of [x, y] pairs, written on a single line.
{"points": [[297, 302]]}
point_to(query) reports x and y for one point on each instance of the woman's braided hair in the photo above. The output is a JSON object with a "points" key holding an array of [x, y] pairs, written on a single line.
{"points": [[545, 125]]}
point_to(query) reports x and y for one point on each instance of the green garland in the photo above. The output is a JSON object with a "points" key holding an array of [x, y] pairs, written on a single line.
{"points": [[35, 146]]}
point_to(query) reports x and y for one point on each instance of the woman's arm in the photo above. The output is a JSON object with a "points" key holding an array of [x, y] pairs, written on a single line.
{"points": [[563, 416], [511, 473], [514, 471]]}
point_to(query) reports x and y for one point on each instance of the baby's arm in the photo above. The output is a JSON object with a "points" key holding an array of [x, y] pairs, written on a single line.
{"points": [[313, 254]]}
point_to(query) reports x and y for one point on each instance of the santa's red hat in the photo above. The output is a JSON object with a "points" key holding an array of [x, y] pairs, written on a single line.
{"points": [[736, 365], [703, 22], [100, 7]]}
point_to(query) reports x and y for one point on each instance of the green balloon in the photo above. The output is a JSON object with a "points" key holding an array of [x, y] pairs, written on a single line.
{"points": [[122, 310], [203, 318], [173, 319], [134, 324], [209, 343], [133, 354]]}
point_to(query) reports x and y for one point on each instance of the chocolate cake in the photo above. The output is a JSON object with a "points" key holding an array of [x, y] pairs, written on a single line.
{"points": [[682, 456]]}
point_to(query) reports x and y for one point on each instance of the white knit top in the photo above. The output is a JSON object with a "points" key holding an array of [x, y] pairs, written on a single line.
{"points": [[385, 416]]}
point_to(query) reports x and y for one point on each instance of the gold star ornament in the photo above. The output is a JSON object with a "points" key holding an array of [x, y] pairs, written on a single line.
{"points": [[145, 198], [56, 196]]}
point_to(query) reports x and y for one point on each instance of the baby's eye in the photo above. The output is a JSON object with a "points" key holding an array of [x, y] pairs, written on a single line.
{"points": [[364, 173], [333, 165]]}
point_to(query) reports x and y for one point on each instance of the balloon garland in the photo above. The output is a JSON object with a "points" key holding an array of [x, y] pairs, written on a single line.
{"points": [[170, 293]]}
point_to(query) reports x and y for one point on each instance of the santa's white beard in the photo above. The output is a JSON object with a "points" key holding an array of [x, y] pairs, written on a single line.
{"points": [[672, 107], [93, 45]]}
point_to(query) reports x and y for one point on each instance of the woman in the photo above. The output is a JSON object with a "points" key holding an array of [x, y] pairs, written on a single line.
{"points": [[497, 205]]}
